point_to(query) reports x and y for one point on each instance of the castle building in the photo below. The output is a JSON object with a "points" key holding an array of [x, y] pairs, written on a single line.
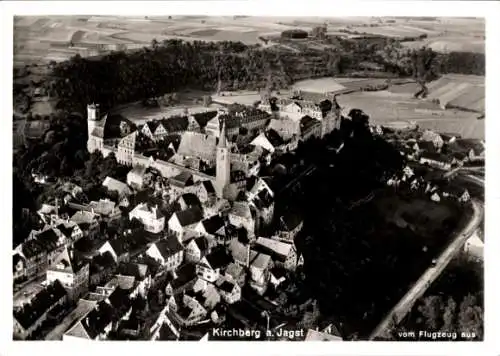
{"points": [[95, 125]]}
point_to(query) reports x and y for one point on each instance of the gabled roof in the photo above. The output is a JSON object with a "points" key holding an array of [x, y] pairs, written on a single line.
{"points": [[209, 186], [202, 243], [213, 224], [182, 179], [274, 247], [218, 258], [189, 216], [191, 199], [138, 270], [197, 145], [118, 245], [185, 274], [65, 262], [204, 117], [225, 285], [175, 124], [168, 246], [97, 320], [307, 122], [234, 270], [117, 186], [83, 217], [33, 247], [241, 209], [41, 302], [274, 138]]}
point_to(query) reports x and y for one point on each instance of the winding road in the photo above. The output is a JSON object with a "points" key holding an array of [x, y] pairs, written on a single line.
{"points": [[432, 273]]}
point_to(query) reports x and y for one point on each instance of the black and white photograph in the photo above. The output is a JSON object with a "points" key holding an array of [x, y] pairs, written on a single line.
{"points": [[193, 177]]}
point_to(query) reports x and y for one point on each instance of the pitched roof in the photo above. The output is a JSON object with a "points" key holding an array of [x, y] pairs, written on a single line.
{"points": [[204, 117], [274, 246], [182, 179], [189, 216], [202, 243], [209, 186], [169, 246], [83, 217], [264, 199], [198, 145], [307, 122], [115, 185], [97, 320], [175, 124], [260, 261], [241, 209], [218, 258], [239, 252], [234, 270], [213, 224], [41, 302], [191, 199], [66, 262], [138, 270], [274, 138], [225, 285], [435, 156], [185, 274]]}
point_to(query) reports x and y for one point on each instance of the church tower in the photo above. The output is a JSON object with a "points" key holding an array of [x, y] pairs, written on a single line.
{"points": [[93, 116], [95, 127], [223, 167]]}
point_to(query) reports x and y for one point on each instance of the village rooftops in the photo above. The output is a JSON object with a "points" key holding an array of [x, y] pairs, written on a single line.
{"points": [[94, 323], [234, 270], [102, 207], [213, 224], [169, 246], [189, 216], [41, 303], [67, 262], [138, 170], [197, 145], [275, 247], [203, 244], [182, 180], [115, 185], [49, 239], [84, 217], [241, 209], [185, 274], [137, 270], [426, 146], [438, 157], [218, 258], [152, 210], [307, 123]]}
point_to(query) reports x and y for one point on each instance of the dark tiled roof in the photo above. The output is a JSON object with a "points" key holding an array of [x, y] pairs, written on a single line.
{"points": [[274, 138], [182, 179], [203, 118], [213, 224], [191, 199], [264, 199], [175, 124], [137, 270], [307, 122], [43, 301], [33, 248], [101, 262], [185, 274], [218, 258], [153, 125], [119, 299], [98, 319], [48, 239], [202, 243], [427, 146], [209, 187], [169, 246], [189, 216], [15, 260]]}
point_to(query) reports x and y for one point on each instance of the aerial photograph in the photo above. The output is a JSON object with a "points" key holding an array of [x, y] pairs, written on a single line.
{"points": [[248, 178]]}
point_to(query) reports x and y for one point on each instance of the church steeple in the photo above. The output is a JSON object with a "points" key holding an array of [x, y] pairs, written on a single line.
{"points": [[223, 167]]}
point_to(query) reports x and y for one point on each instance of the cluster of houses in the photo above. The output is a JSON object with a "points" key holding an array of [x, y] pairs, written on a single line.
{"points": [[198, 257]]}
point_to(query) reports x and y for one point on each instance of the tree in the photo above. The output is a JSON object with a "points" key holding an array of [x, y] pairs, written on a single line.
{"points": [[449, 316], [470, 317], [431, 310]]}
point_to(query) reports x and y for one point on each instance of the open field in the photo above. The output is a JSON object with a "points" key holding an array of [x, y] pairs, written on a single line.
{"points": [[240, 97], [41, 39], [385, 107]]}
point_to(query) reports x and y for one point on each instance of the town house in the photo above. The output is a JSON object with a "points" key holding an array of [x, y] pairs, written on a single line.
{"points": [[117, 248], [135, 178], [168, 252], [214, 226], [152, 219], [284, 254], [198, 248], [210, 266], [182, 222], [72, 272], [184, 278], [114, 185], [241, 215], [229, 290]]}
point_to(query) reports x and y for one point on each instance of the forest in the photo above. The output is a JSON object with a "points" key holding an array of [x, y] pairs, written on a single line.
{"points": [[173, 65]]}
